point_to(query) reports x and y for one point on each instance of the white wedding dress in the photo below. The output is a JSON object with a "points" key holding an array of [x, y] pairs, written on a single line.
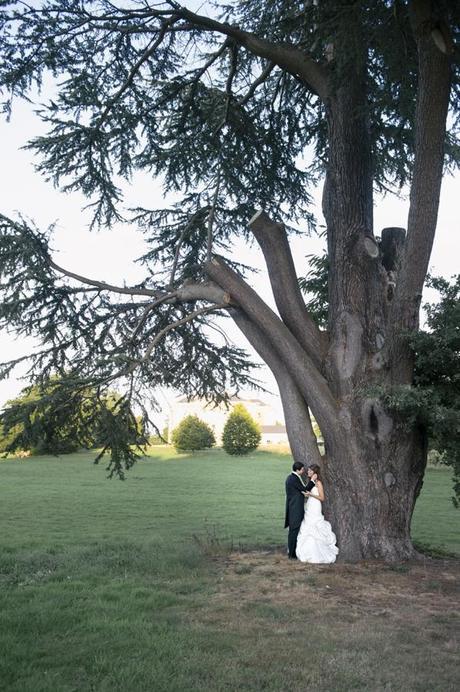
{"points": [[316, 541]]}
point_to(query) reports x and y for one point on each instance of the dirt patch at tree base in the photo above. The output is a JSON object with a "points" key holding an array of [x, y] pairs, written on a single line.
{"points": [[428, 584], [369, 626]]}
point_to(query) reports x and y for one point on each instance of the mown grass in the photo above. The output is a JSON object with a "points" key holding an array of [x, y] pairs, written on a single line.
{"points": [[116, 586]]}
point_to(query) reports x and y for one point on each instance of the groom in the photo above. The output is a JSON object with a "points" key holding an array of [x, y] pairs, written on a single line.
{"points": [[295, 500]]}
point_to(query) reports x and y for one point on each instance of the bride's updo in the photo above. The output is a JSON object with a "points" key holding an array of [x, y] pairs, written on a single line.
{"points": [[316, 469]]}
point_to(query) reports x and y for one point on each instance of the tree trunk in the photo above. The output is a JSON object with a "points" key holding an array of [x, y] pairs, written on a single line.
{"points": [[372, 481]]}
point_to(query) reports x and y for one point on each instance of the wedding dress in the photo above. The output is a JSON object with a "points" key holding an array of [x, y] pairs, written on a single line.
{"points": [[316, 540]]}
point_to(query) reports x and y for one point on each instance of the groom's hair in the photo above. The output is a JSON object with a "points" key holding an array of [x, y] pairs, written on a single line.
{"points": [[297, 466]]}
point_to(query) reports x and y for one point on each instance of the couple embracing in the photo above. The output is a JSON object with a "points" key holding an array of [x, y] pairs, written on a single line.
{"points": [[310, 537]]}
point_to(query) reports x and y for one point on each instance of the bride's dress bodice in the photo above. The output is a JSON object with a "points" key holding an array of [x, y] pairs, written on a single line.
{"points": [[313, 505]]}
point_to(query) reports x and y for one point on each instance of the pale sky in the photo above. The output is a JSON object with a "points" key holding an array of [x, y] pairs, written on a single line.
{"points": [[109, 255]]}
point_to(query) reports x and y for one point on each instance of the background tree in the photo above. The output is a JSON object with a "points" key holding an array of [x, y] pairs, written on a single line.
{"points": [[434, 401], [241, 433], [224, 107], [192, 434]]}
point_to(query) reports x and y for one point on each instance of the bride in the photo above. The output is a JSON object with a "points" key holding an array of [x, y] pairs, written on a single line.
{"points": [[316, 540]]}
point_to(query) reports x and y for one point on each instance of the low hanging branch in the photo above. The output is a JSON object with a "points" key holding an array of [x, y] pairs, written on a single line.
{"points": [[102, 285], [193, 315]]}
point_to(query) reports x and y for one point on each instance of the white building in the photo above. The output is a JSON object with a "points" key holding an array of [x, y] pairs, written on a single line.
{"points": [[215, 416]]}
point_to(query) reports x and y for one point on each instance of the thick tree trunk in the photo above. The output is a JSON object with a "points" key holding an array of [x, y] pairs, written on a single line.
{"points": [[372, 481]]}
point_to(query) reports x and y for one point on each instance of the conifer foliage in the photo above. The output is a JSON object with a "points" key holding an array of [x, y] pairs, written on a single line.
{"points": [[241, 433]]}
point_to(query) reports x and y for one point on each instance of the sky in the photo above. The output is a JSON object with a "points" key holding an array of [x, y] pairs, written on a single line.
{"points": [[109, 255]]}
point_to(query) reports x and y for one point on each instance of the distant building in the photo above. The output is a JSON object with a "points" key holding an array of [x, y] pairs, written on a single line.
{"points": [[274, 434], [272, 430]]}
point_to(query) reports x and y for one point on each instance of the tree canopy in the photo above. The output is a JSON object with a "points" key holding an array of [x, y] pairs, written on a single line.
{"points": [[242, 108]]}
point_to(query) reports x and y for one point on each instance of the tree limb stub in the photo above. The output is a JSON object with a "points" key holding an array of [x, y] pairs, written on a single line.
{"points": [[273, 241], [302, 439], [311, 383], [391, 247], [208, 291]]}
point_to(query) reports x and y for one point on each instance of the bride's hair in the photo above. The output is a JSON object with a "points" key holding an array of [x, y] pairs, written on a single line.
{"points": [[316, 469]]}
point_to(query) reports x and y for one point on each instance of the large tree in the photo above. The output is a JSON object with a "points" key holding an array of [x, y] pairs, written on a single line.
{"points": [[226, 108]]}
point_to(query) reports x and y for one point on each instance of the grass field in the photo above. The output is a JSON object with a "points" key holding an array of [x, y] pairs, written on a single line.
{"points": [[131, 586]]}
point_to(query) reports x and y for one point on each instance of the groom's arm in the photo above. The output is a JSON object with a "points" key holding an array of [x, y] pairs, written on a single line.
{"points": [[304, 488]]}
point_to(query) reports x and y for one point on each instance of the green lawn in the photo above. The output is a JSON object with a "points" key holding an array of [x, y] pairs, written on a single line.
{"points": [[107, 585]]}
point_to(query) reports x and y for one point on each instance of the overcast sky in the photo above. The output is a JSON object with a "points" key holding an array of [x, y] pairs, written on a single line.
{"points": [[109, 255]]}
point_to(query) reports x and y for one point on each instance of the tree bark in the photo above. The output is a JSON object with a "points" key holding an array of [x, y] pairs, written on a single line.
{"points": [[274, 244], [299, 428]]}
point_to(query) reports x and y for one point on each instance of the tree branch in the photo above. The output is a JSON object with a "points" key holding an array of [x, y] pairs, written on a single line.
{"points": [[260, 80], [147, 311], [148, 52], [211, 217], [430, 124], [187, 293], [302, 439], [104, 286], [311, 383], [174, 325], [274, 244], [295, 61]]}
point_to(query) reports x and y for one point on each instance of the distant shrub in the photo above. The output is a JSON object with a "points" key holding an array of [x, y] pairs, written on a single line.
{"points": [[241, 433], [192, 434], [58, 446]]}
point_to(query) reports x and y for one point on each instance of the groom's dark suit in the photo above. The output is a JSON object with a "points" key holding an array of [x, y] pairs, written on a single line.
{"points": [[294, 508]]}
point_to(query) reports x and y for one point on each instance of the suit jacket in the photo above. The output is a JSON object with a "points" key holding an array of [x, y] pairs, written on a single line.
{"points": [[295, 500]]}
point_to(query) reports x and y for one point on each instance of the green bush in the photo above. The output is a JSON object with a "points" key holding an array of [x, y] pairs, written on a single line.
{"points": [[241, 433], [192, 434]]}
